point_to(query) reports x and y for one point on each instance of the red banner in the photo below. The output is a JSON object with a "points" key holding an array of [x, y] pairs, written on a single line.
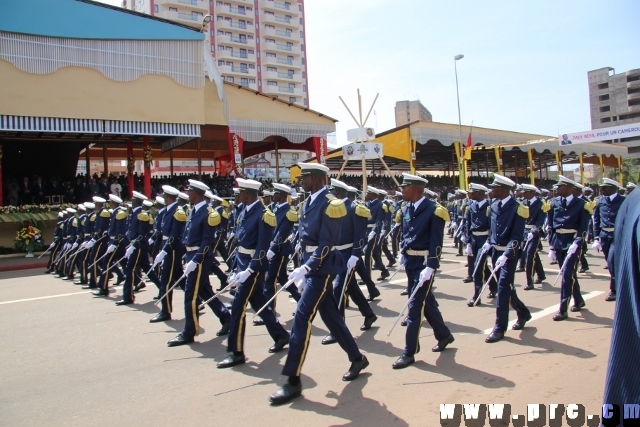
{"points": [[235, 149], [320, 147]]}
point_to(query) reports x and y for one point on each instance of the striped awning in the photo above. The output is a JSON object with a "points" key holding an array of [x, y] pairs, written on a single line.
{"points": [[113, 127]]}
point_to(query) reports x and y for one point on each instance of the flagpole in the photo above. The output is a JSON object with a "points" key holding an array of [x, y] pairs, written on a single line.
{"points": [[460, 160]]}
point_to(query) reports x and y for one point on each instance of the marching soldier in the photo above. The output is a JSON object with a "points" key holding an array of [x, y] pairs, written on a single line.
{"points": [[382, 246], [56, 245], [198, 240], [351, 242], [477, 225], [83, 257], [508, 219], [75, 236], [66, 242], [98, 243], [568, 221], [218, 245], [253, 236], [319, 224], [533, 227], [155, 240], [372, 255], [421, 247], [170, 257], [604, 219], [578, 192], [139, 226], [117, 245]]}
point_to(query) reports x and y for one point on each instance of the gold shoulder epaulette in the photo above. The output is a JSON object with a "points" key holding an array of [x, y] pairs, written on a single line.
{"points": [[588, 206], [122, 214], [292, 215], [523, 210], [214, 218], [269, 218], [84, 221], [105, 214], [74, 223], [210, 209], [546, 206], [92, 218], [336, 209], [398, 217], [225, 214], [180, 215], [489, 209], [363, 211], [144, 216], [442, 212], [331, 197], [385, 207]]}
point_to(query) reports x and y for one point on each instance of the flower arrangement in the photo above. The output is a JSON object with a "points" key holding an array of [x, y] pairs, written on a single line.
{"points": [[148, 156], [28, 238], [131, 163]]}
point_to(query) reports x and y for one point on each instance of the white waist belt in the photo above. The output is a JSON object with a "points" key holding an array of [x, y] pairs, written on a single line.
{"points": [[310, 249], [89, 234], [246, 251], [608, 229], [528, 227], [370, 225], [192, 248], [500, 248], [412, 252], [480, 233], [165, 237], [566, 231]]}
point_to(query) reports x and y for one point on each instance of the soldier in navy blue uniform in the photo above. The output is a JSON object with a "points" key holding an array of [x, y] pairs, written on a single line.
{"points": [[83, 252], [568, 220], [373, 256], [138, 228], [55, 246], [281, 246], [461, 209], [319, 224], [69, 215], [353, 236], [75, 235], [421, 247], [395, 226], [198, 240], [155, 240], [253, 237], [99, 241], [170, 256], [533, 228], [604, 219], [383, 246], [118, 244], [508, 219], [477, 225], [622, 385]]}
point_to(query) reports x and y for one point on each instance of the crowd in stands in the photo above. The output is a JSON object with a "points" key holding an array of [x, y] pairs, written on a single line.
{"points": [[56, 190]]}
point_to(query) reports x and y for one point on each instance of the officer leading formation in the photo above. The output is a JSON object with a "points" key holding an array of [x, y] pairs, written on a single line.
{"points": [[330, 236]]}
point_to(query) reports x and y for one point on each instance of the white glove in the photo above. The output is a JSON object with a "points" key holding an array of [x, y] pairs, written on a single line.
{"points": [[52, 245], [463, 238], [298, 247], [372, 236], [383, 232], [426, 274], [242, 276], [486, 246], [572, 249], [129, 251], [191, 266], [230, 235], [83, 245], [298, 274], [352, 262], [529, 236], [159, 257], [232, 278], [151, 241], [75, 245], [90, 243], [270, 254], [65, 247], [597, 246], [301, 284], [454, 225], [403, 260], [469, 250], [111, 248], [552, 255], [502, 260]]}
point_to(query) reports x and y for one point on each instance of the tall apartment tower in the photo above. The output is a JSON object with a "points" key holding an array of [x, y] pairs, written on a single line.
{"points": [[615, 100], [259, 44], [410, 111]]}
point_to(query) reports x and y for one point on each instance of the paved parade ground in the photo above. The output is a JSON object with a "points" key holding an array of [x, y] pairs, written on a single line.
{"points": [[70, 359]]}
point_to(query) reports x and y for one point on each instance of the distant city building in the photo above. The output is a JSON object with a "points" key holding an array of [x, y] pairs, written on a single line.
{"points": [[410, 111], [615, 100], [259, 45]]}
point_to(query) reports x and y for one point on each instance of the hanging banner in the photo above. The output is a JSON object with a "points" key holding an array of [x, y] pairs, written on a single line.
{"points": [[532, 173], [599, 135], [498, 154], [368, 150], [320, 147], [235, 148], [361, 134]]}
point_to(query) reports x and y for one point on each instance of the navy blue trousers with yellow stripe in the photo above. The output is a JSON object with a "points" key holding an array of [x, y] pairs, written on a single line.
{"points": [[507, 295], [570, 286], [250, 292], [315, 298], [170, 272], [198, 285]]}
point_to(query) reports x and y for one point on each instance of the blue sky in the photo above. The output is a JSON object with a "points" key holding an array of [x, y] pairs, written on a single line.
{"points": [[525, 65]]}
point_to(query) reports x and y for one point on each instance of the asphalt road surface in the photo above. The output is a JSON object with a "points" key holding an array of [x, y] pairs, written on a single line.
{"points": [[69, 359]]}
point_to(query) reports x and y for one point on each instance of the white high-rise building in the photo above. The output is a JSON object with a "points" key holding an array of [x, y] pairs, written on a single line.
{"points": [[259, 44]]}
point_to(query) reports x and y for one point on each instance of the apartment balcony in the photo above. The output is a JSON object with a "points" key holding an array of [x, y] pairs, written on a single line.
{"points": [[233, 11], [183, 18], [226, 54], [292, 23], [278, 75], [235, 26], [289, 8], [633, 84], [281, 62], [282, 90], [288, 35], [237, 41], [235, 70], [631, 96], [189, 5], [279, 47], [634, 108]]}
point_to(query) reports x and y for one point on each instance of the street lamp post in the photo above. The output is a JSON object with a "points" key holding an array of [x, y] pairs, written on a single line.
{"points": [[455, 67]]}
